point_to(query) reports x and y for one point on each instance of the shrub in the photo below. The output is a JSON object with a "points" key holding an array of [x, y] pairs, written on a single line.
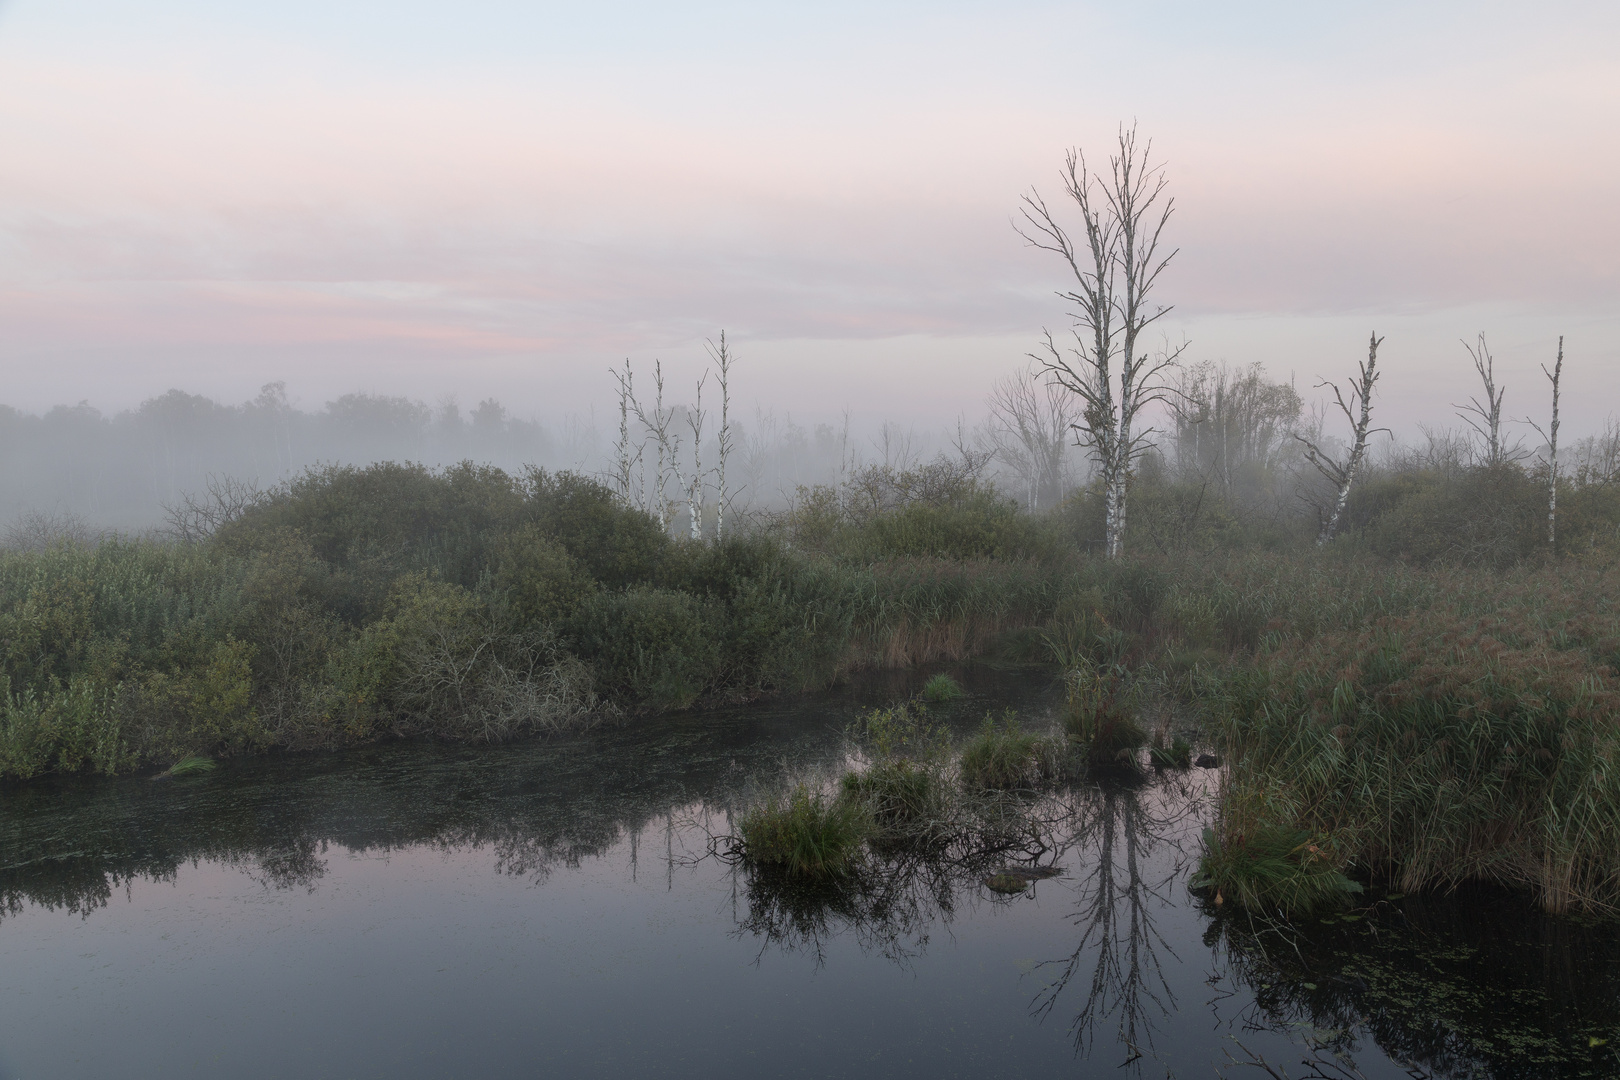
{"points": [[651, 647], [533, 579], [806, 834]]}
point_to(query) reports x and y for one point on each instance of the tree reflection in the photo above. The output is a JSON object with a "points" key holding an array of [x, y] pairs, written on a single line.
{"points": [[1131, 845]]}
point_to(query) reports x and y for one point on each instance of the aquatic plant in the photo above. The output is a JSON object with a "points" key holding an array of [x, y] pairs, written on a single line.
{"points": [[1273, 869], [190, 765], [806, 833], [1178, 755], [941, 689], [1002, 755]]}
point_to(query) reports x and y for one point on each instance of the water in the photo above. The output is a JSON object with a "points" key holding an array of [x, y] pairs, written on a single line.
{"points": [[553, 908]]}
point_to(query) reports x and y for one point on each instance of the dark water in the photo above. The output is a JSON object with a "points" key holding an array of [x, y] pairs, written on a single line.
{"points": [[551, 909]]}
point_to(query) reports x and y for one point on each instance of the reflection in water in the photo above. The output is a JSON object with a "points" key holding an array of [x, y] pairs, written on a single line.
{"points": [[1466, 986], [1126, 830]]}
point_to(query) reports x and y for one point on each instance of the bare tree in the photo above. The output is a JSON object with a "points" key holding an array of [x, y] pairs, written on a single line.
{"points": [[627, 460], [1550, 433], [692, 484], [195, 517], [1028, 431], [1485, 417], [1123, 215], [722, 361], [1357, 408], [669, 447]]}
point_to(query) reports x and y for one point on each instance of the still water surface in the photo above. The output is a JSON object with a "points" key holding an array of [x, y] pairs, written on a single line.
{"points": [[552, 909]]}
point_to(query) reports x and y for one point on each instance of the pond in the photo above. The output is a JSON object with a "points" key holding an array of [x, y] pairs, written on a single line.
{"points": [[558, 908]]}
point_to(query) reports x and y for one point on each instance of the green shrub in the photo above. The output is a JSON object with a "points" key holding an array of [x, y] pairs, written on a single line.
{"points": [[806, 834], [533, 579], [650, 647]]}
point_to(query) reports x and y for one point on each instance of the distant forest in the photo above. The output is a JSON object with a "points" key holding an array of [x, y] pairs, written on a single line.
{"points": [[120, 470]]}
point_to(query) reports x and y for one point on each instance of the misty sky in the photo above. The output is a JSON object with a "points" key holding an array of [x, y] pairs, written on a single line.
{"points": [[505, 198]]}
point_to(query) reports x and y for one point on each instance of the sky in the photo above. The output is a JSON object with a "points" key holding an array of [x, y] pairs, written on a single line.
{"points": [[490, 198]]}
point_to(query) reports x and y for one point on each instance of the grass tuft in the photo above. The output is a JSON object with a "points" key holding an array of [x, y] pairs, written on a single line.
{"points": [[1005, 757], [1273, 869], [191, 764], [807, 834], [940, 689]]}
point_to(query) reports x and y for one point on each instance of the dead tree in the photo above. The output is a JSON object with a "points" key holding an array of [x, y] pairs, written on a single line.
{"points": [[1485, 417], [722, 362], [1115, 269], [692, 484], [1357, 408], [669, 446], [626, 461], [1551, 435], [1028, 431]]}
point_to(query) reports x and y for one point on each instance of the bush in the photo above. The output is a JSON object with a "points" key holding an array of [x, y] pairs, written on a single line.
{"points": [[806, 834], [649, 647]]}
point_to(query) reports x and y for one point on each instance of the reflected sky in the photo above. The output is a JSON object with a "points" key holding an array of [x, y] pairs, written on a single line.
{"points": [[556, 907]]}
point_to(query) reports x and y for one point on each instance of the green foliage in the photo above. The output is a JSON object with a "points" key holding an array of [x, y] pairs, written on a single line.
{"points": [[534, 580], [649, 646], [191, 766], [941, 689], [806, 834], [1273, 869], [1003, 756], [1178, 755], [1098, 716]]}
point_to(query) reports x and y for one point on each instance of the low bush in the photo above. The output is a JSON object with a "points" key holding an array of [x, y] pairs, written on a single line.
{"points": [[941, 689]]}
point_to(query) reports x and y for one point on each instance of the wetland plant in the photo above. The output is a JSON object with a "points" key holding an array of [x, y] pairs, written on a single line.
{"points": [[941, 689], [1273, 869], [1003, 756], [808, 834], [1178, 755]]}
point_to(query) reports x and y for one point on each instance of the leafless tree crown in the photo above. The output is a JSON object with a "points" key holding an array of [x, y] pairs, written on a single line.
{"points": [[1115, 263]]}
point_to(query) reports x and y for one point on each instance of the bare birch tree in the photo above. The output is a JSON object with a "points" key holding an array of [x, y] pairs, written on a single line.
{"points": [[669, 447], [1550, 433], [626, 460], [1115, 268], [1357, 408], [722, 362], [692, 484], [1028, 431], [1485, 417]]}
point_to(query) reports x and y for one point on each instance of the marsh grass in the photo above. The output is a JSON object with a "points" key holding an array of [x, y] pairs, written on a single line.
{"points": [[1003, 756], [191, 765], [1273, 869], [1177, 755], [1099, 718], [941, 689], [806, 833]]}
